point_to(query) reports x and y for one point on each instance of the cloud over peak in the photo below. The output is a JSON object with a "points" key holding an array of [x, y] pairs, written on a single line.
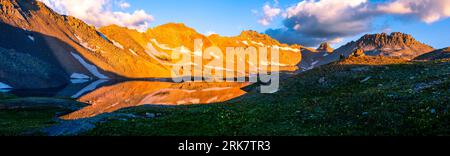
{"points": [[100, 13], [328, 18], [311, 22], [269, 13]]}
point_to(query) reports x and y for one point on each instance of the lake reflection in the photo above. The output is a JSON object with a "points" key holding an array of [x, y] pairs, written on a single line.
{"points": [[106, 98]]}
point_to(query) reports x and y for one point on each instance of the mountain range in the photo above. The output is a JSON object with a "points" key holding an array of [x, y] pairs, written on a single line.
{"points": [[65, 48], [40, 48], [395, 45]]}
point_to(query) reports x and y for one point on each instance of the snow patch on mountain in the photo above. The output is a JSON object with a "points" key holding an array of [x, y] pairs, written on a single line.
{"points": [[308, 68], [132, 51], [31, 38], [4, 86], [258, 43], [92, 68], [79, 76], [152, 51], [162, 46], [315, 63], [181, 49], [83, 43], [117, 44]]}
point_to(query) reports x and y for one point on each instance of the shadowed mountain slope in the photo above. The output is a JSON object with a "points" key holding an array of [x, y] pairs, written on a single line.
{"points": [[435, 55]]}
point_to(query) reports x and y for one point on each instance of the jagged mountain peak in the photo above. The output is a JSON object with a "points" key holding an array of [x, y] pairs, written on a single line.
{"points": [[250, 33], [394, 39], [17, 12], [254, 36], [176, 27], [176, 35], [325, 47], [396, 44], [21, 5]]}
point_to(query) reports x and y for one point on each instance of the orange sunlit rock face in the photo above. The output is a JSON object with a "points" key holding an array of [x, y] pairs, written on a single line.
{"points": [[159, 43], [130, 94]]}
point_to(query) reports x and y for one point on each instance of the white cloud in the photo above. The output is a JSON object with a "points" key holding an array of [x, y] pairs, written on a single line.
{"points": [[311, 22], [99, 13], [336, 40], [395, 8], [124, 5], [328, 18], [269, 14], [428, 11]]}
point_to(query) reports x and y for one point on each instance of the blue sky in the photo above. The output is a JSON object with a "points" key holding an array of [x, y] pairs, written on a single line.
{"points": [[225, 17], [230, 17]]}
